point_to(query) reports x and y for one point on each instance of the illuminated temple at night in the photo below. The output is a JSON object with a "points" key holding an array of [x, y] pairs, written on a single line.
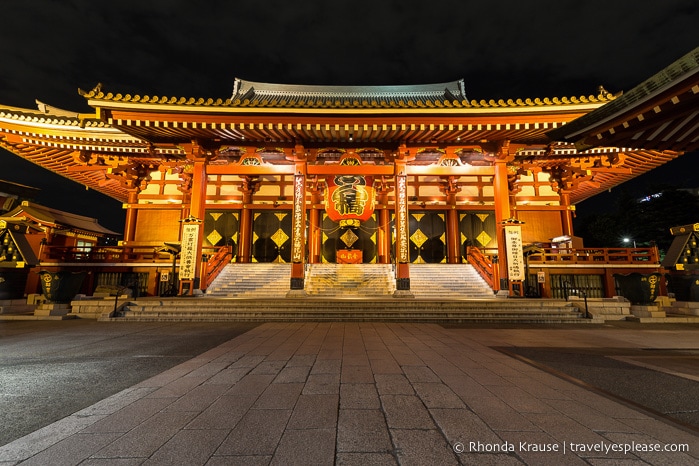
{"points": [[391, 180]]}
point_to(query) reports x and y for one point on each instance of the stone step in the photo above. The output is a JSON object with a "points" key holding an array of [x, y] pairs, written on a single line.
{"points": [[252, 280], [456, 281], [337, 280], [380, 309]]}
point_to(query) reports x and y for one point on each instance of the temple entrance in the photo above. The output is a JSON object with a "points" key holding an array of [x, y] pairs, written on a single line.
{"points": [[349, 244]]}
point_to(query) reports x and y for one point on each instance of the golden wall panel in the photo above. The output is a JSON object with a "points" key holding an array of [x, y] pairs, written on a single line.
{"points": [[540, 225], [157, 225]]}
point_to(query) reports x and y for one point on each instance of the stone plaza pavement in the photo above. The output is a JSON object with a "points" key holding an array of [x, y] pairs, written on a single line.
{"points": [[367, 394]]}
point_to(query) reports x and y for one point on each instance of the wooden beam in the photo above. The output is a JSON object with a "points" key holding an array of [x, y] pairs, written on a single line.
{"points": [[448, 171], [376, 170], [252, 170]]}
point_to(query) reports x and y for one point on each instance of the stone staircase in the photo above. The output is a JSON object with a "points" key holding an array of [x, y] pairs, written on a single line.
{"points": [[448, 281], [377, 309], [345, 280], [252, 280], [350, 293], [427, 281]]}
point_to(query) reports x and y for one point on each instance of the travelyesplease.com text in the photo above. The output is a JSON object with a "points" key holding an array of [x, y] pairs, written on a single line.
{"points": [[569, 447]]}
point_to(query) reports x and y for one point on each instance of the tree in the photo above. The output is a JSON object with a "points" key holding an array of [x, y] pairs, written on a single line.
{"points": [[646, 220]]}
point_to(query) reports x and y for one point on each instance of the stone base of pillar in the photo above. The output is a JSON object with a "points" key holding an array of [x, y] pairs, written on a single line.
{"points": [[402, 284], [297, 283], [403, 294]]}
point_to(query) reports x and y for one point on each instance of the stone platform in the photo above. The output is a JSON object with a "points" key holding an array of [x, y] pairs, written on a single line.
{"points": [[370, 309]]}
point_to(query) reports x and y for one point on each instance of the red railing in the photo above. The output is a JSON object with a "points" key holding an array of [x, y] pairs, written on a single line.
{"points": [[215, 264], [595, 255], [101, 254], [485, 266]]}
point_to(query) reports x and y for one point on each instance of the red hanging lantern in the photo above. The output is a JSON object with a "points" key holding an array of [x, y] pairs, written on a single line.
{"points": [[349, 199]]}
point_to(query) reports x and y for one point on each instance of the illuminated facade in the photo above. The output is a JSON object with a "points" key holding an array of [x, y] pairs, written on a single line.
{"points": [[312, 174]]}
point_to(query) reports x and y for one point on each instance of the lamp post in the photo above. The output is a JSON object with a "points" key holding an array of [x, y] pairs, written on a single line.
{"points": [[629, 240]]}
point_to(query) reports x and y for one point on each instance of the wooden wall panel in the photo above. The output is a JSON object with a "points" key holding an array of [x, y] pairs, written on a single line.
{"points": [[540, 226], [155, 225]]}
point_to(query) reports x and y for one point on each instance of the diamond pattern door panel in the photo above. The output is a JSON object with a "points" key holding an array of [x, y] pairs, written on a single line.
{"points": [[427, 238], [221, 228], [271, 236], [477, 229]]}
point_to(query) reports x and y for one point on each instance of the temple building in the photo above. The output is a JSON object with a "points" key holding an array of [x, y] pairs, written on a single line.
{"points": [[304, 175]]}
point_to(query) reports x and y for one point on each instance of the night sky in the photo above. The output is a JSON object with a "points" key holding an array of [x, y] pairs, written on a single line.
{"points": [[502, 49]]}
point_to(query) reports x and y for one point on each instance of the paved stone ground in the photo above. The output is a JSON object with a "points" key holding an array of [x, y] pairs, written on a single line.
{"points": [[368, 393], [51, 369]]}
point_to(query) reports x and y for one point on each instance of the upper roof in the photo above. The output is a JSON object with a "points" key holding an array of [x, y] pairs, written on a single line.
{"points": [[331, 115], [660, 113], [258, 94], [132, 129]]}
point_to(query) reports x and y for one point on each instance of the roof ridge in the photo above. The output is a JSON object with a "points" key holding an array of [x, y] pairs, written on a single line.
{"points": [[242, 86]]}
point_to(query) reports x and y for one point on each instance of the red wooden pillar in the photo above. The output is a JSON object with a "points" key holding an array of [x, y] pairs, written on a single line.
{"points": [[245, 226], [609, 283], [314, 233], [298, 225], [402, 226], [566, 214], [453, 235], [131, 212], [502, 213], [383, 238], [197, 210]]}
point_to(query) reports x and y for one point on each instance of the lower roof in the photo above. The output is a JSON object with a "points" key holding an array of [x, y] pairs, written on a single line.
{"points": [[661, 113]]}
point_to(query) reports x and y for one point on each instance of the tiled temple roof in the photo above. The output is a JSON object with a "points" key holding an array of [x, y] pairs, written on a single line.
{"points": [[659, 113], [51, 216], [48, 115], [249, 94]]}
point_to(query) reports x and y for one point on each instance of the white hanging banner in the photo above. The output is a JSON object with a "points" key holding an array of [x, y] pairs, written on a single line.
{"points": [[515, 255], [188, 252]]}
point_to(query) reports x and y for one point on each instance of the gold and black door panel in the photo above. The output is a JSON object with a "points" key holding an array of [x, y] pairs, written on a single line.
{"points": [[221, 228], [271, 236], [477, 229], [427, 242]]}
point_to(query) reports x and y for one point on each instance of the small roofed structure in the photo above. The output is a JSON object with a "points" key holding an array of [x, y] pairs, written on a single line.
{"points": [[64, 223], [12, 194], [682, 262], [25, 234]]}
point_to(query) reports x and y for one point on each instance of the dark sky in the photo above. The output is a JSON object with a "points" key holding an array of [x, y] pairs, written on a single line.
{"points": [[502, 49]]}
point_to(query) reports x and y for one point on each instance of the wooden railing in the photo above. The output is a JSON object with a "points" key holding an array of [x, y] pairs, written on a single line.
{"points": [[485, 266], [215, 264], [101, 254], [596, 255], [486, 263]]}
